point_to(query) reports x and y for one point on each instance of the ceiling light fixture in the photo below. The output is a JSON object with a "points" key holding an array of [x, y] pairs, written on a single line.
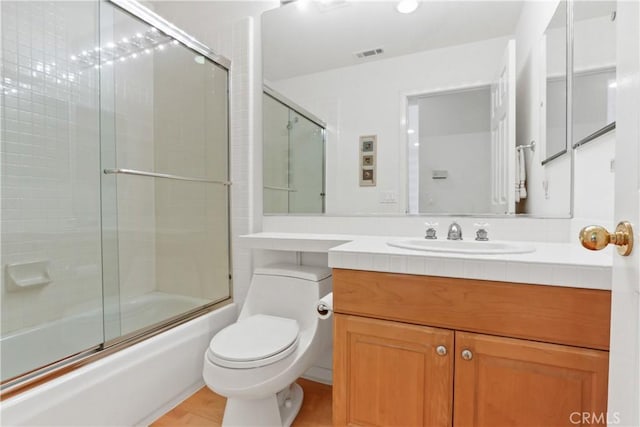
{"points": [[407, 6]]}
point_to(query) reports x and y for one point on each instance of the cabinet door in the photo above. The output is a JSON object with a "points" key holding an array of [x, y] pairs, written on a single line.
{"points": [[513, 382], [390, 373]]}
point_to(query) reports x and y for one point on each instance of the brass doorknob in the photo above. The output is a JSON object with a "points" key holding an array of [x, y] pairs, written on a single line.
{"points": [[594, 237]]}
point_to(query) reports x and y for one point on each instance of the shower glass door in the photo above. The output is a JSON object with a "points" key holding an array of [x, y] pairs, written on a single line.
{"points": [[114, 177], [50, 250], [293, 153], [165, 181], [276, 157]]}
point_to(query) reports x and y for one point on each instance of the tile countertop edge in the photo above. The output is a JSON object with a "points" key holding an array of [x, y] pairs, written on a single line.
{"points": [[577, 269], [574, 276]]}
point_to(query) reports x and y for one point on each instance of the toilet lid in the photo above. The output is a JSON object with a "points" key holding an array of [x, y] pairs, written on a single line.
{"points": [[255, 341]]}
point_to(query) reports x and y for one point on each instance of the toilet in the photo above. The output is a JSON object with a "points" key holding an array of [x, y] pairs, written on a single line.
{"points": [[278, 336]]}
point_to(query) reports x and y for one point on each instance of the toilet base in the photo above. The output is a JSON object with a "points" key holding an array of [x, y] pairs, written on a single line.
{"points": [[276, 410]]}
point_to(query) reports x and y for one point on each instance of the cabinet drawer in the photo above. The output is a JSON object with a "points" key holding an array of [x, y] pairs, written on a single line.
{"points": [[562, 315]]}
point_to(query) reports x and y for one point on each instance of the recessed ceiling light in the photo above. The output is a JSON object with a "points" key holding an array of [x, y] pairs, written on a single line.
{"points": [[411, 131], [407, 6]]}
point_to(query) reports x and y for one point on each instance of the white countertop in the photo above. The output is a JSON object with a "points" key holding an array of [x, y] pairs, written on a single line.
{"points": [[302, 242], [556, 264]]}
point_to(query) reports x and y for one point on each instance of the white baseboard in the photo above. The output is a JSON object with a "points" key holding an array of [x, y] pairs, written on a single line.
{"points": [[320, 375]]}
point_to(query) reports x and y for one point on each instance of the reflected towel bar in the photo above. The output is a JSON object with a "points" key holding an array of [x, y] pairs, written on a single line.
{"points": [[271, 187], [163, 175], [532, 146]]}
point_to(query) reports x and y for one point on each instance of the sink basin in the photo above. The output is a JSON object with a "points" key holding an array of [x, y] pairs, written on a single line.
{"points": [[463, 246]]}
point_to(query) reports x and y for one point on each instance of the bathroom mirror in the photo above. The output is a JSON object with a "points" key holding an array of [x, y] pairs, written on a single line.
{"points": [[594, 70], [554, 95], [365, 70]]}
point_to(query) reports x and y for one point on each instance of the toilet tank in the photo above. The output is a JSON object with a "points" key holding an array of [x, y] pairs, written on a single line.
{"points": [[287, 290]]}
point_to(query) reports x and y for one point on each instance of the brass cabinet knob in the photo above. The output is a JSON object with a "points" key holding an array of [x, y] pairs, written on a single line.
{"points": [[441, 350], [595, 237], [467, 354]]}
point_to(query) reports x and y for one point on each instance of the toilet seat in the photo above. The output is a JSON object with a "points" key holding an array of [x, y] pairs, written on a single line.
{"points": [[255, 341]]}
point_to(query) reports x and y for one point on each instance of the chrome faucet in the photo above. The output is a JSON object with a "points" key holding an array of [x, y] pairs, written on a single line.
{"points": [[431, 232], [482, 235], [455, 232]]}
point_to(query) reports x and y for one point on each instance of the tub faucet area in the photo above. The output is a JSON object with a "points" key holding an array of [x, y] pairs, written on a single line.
{"points": [[455, 232], [431, 232]]}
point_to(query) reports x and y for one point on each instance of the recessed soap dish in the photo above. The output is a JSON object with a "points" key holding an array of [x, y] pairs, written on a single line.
{"points": [[27, 275]]}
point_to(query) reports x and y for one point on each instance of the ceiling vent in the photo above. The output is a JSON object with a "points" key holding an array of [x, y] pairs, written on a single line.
{"points": [[369, 53]]}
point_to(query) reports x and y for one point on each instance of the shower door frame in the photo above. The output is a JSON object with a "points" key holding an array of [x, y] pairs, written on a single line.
{"points": [[23, 382]]}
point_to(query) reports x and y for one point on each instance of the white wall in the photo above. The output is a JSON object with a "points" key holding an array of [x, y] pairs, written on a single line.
{"points": [[367, 99], [594, 180]]}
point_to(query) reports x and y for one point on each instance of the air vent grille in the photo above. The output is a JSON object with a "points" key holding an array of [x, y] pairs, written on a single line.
{"points": [[369, 53]]}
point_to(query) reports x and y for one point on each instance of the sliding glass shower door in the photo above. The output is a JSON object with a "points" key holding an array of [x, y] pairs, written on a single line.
{"points": [[50, 236], [114, 179], [293, 160], [165, 162]]}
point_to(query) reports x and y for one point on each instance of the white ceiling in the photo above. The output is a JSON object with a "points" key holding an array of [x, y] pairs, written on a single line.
{"points": [[300, 38]]}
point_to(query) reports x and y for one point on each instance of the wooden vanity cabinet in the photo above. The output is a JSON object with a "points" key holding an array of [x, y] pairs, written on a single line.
{"points": [[433, 351], [514, 382], [391, 373]]}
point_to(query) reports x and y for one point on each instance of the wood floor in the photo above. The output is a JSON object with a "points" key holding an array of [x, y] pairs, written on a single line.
{"points": [[205, 408]]}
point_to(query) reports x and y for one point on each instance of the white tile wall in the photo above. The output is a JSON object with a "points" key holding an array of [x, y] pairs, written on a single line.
{"points": [[244, 73], [50, 160]]}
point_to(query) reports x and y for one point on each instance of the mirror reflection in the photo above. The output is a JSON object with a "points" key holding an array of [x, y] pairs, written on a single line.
{"points": [[444, 95], [293, 156], [554, 101], [594, 69], [450, 145]]}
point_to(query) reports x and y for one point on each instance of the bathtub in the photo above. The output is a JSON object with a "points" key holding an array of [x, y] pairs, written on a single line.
{"points": [[156, 373], [24, 350]]}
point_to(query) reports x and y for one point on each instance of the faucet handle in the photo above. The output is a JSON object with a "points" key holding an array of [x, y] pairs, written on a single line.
{"points": [[432, 229], [482, 234]]}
